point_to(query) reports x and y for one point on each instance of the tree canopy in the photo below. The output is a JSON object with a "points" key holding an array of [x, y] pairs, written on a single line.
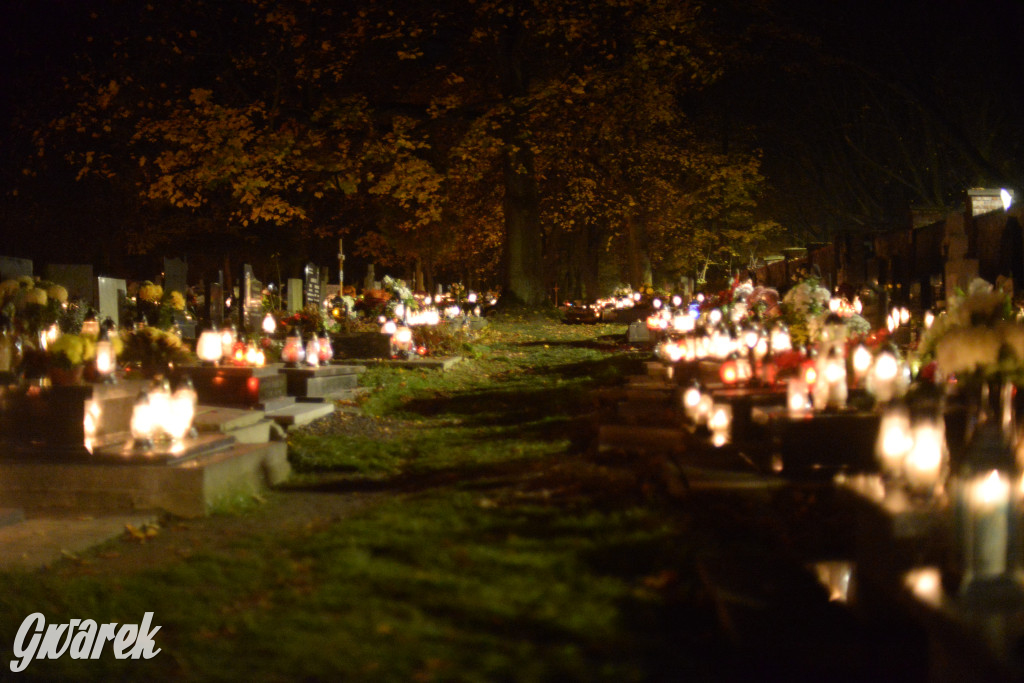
{"points": [[526, 142]]}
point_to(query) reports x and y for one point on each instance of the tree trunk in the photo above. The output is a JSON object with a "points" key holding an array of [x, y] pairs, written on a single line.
{"points": [[418, 281], [633, 253], [523, 258]]}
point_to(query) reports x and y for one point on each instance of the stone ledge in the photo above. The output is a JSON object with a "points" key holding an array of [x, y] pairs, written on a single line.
{"points": [[186, 489]]}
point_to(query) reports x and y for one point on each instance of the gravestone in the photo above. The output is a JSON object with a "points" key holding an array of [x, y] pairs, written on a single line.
{"points": [[112, 293], [12, 267], [252, 299], [175, 275], [217, 303], [312, 285], [294, 294], [76, 278], [368, 283]]}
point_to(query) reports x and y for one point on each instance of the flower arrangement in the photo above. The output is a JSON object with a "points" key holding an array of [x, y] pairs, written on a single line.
{"points": [[158, 306], [32, 304], [977, 336], [153, 349], [71, 350], [400, 293], [804, 306], [457, 292], [308, 322]]}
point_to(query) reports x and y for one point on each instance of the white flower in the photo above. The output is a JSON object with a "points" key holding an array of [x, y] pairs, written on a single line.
{"points": [[1012, 335], [978, 286], [967, 349], [742, 291]]}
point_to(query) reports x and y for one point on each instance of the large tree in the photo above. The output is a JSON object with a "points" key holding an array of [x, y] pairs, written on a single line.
{"points": [[454, 136]]}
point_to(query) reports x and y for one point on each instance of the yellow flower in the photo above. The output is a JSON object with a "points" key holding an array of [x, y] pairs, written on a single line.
{"points": [[34, 296], [8, 287], [177, 301], [58, 292], [151, 292], [70, 350]]}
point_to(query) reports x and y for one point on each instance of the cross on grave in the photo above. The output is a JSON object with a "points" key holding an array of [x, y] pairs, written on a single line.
{"points": [[341, 268]]}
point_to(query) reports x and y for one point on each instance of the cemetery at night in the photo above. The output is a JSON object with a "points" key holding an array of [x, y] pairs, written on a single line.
{"points": [[503, 340]]}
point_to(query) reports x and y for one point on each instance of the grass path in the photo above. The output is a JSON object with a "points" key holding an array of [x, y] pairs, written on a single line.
{"points": [[456, 529]]}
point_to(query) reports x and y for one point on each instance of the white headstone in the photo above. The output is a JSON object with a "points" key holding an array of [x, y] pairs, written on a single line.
{"points": [[112, 293]]}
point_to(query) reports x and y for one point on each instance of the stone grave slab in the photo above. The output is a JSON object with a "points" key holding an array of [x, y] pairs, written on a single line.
{"points": [[243, 387], [322, 381], [245, 425], [638, 333], [299, 414], [49, 422], [161, 453], [187, 489], [362, 345]]}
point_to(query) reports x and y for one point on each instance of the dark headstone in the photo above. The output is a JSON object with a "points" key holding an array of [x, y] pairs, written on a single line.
{"points": [[76, 278], [12, 267], [175, 275], [312, 284], [216, 301]]}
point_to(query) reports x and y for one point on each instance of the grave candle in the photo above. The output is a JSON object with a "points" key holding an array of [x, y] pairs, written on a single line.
{"points": [[209, 347], [797, 399], [704, 409], [894, 442], [313, 351], [106, 358], [227, 342], [922, 466], [293, 352], [143, 423], [718, 423], [178, 420], [988, 528], [691, 402], [835, 379], [780, 340], [883, 376], [861, 363], [326, 350]]}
